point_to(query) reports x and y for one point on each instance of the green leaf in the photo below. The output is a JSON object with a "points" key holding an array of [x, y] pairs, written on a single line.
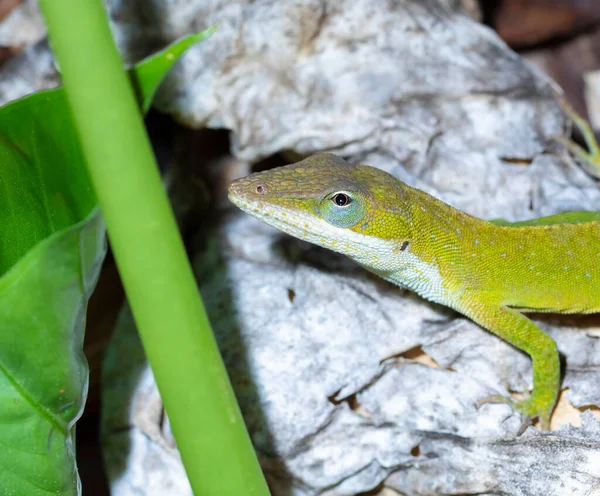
{"points": [[52, 244], [45, 186], [43, 373], [145, 78]]}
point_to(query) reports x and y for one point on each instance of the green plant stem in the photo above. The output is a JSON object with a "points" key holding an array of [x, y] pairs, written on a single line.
{"points": [[210, 432]]}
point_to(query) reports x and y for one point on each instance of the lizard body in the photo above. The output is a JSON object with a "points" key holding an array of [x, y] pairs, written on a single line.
{"points": [[484, 270]]}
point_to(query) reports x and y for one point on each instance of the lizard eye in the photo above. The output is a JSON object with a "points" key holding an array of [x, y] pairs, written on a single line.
{"points": [[341, 199], [342, 209]]}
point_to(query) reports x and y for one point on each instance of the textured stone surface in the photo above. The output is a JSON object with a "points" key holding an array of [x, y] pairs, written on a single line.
{"points": [[22, 25]]}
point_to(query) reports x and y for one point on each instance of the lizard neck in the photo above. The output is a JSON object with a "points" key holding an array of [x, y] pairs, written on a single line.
{"points": [[433, 259]]}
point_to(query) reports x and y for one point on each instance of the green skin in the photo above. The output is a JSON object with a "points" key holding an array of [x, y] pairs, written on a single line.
{"points": [[488, 271]]}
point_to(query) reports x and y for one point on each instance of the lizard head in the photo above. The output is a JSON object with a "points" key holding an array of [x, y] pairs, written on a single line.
{"points": [[359, 211]]}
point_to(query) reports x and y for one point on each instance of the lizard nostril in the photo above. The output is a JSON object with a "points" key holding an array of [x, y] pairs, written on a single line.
{"points": [[260, 189]]}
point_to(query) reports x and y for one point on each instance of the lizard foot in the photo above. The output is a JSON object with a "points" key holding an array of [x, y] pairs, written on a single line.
{"points": [[590, 159], [528, 408]]}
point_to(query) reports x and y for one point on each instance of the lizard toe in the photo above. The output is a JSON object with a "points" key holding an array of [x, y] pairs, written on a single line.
{"points": [[528, 408]]}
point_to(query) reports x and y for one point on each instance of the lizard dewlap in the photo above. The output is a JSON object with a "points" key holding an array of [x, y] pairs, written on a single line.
{"points": [[488, 272]]}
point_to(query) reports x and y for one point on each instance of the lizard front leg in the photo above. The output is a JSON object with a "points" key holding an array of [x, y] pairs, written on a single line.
{"points": [[522, 333]]}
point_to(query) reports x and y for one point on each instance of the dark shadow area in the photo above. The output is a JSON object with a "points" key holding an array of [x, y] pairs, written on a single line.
{"points": [[277, 160], [103, 309], [89, 456], [162, 130], [299, 252], [489, 10], [375, 491]]}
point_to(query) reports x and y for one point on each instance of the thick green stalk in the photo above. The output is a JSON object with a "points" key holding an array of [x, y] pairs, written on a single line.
{"points": [[163, 294]]}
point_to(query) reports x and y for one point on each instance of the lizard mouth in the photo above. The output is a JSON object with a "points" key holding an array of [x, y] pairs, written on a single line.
{"points": [[234, 191], [235, 197], [266, 213]]}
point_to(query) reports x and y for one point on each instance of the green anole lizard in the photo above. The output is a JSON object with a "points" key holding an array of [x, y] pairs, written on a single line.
{"points": [[489, 271]]}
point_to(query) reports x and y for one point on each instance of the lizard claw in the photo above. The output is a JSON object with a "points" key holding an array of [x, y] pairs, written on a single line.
{"points": [[525, 422]]}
